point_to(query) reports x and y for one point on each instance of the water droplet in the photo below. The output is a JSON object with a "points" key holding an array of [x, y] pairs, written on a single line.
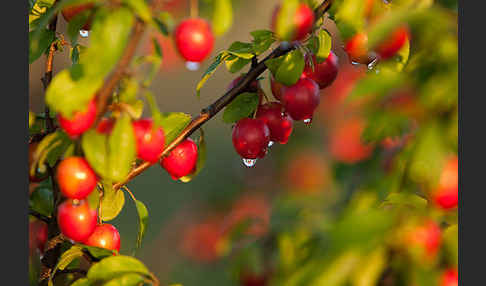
{"points": [[192, 66], [308, 121], [372, 64], [84, 33], [270, 144], [355, 63], [249, 162]]}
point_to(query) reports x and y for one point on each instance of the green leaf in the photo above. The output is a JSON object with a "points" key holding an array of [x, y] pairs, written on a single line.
{"points": [[235, 64], [116, 266], [172, 123], [382, 124], [222, 17], [218, 60], [49, 150], [94, 145], [39, 42], [368, 273], [262, 40], [284, 28], [122, 150], [288, 68], [377, 85], [405, 199], [82, 282], [140, 8], [164, 22], [324, 44], [241, 50], [129, 89], [112, 202], [42, 201], [129, 279], [66, 258], [242, 106], [349, 16], [201, 158], [98, 252], [142, 221]]}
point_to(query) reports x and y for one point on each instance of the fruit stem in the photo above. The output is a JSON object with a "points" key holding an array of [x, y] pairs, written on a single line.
{"points": [[194, 8]]}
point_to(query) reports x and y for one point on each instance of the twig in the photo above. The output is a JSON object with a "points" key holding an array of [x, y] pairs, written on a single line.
{"points": [[210, 111], [40, 216]]}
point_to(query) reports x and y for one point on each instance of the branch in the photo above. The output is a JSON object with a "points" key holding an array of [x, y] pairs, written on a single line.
{"points": [[39, 216], [107, 89], [213, 109]]}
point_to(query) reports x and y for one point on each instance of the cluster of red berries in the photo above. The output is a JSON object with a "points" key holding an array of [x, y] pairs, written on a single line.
{"points": [[357, 46], [274, 120]]}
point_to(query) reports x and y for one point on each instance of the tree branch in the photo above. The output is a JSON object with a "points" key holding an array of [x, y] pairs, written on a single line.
{"points": [[39, 216], [107, 89], [213, 109]]}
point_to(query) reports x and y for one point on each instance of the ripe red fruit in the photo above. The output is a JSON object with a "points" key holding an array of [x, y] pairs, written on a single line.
{"points": [[150, 140], [394, 43], [449, 277], [76, 221], [37, 235], [302, 22], [252, 279], [252, 208], [307, 173], [182, 160], [80, 122], [253, 87], [446, 195], [357, 48], [301, 99], [203, 241], [71, 11], [345, 142], [279, 123], [251, 138], [426, 236], [194, 39], [75, 177], [276, 88], [104, 236], [105, 126], [324, 73]]}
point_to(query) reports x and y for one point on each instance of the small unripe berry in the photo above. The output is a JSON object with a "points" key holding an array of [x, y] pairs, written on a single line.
{"points": [[194, 39], [75, 177], [279, 123], [80, 121], [324, 73], [302, 21], [251, 138], [150, 140], [104, 236], [182, 160], [72, 11], [76, 221], [301, 99]]}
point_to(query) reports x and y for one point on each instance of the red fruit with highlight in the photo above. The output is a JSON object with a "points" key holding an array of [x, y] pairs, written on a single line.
{"points": [[76, 221], [447, 194], [449, 277], [394, 43], [80, 121], [72, 11], [301, 99], [104, 236], [302, 22], [194, 39], [75, 177], [182, 160], [279, 123], [251, 138], [357, 48], [324, 73], [150, 140]]}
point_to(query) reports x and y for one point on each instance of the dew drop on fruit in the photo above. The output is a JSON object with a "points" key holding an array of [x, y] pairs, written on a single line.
{"points": [[192, 66], [270, 143], [84, 33], [249, 162], [308, 121], [372, 64], [355, 63]]}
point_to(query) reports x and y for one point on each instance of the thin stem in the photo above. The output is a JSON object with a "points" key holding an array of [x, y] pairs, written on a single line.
{"points": [[131, 194], [40, 216], [194, 8]]}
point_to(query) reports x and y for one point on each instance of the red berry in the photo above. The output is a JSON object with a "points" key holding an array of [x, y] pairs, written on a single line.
{"points": [[71, 11], [251, 279], [80, 122], [394, 43], [276, 88], [324, 73], [446, 195], [449, 277], [251, 138], [253, 87], [301, 99], [303, 21], [150, 140], [428, 237], [104, 236], [75, 177], [202, 241], [194, 39], [182, 160], [280, 124], [346, 144], [76, 221], [105, 126], [357, 48], [37, 235]]}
